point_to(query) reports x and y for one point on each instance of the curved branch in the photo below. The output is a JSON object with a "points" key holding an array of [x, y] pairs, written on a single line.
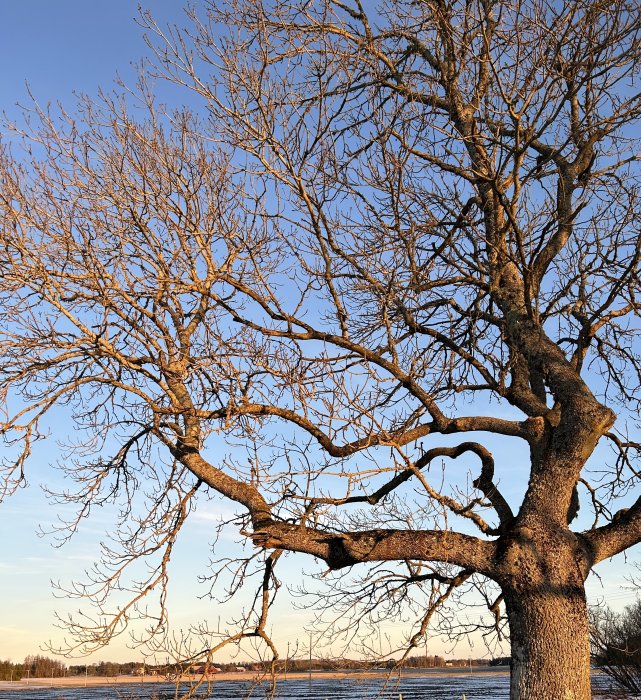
{"points": [[527, 430], [483, 482]]}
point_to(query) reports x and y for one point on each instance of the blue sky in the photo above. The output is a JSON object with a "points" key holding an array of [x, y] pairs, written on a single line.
{"points": [[58, 48], [70, 45]]}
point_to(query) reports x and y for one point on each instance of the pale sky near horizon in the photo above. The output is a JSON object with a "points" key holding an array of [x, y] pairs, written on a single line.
{"points": [[58, 48]]}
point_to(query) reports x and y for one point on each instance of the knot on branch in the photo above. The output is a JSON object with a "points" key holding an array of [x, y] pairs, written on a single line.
{"points": [[337, 550], [339, 553]]}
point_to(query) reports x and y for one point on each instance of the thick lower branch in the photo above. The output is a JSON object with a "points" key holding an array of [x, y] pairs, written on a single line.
{"points": [[623, 532], [341, 550]]}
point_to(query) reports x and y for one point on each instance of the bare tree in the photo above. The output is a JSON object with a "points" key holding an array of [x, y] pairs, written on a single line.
{"points": [[616, 645], [380, 230]]}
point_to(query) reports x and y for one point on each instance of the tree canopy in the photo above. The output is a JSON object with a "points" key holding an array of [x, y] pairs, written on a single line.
{"points": [[375, 238]]}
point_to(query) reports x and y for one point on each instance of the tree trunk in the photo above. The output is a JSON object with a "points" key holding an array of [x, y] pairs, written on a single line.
{"points": [[550, 644]]}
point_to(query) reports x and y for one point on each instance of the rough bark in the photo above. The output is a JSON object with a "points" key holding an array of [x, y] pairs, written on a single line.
{"points": [[550, 649], [542, 568]]}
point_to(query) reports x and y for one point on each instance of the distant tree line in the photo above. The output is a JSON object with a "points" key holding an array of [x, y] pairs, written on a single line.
{"points": [[43, 667], [10, 671], [332, 664], [33, 666], [501, 661], [109, 668], [424, 661]]}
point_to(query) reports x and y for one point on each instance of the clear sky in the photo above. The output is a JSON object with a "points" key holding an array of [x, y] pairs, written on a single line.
{"points": [[58, 48]]}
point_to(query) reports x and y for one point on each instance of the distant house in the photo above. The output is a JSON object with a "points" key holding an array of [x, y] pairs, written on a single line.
{"points": [[206, 670], [239, 669]]}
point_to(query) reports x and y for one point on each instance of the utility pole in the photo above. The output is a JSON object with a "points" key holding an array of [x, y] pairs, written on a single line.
{"points": [[287, 660]]}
